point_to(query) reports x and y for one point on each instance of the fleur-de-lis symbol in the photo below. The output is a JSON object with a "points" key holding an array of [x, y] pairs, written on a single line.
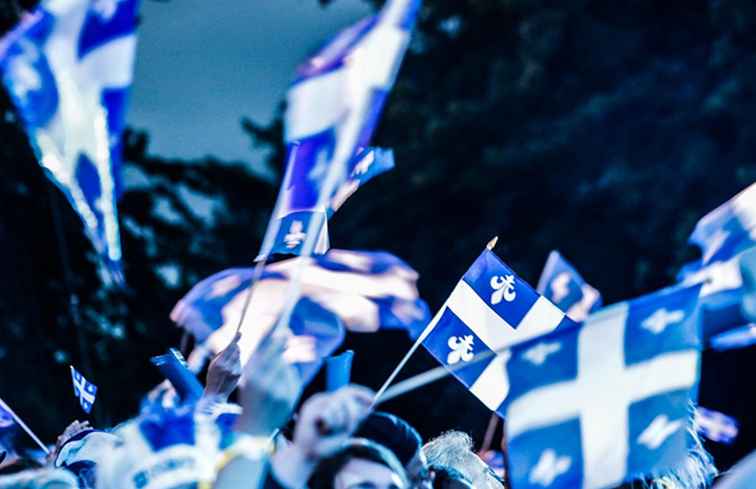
{"points": [[295, 235], [461, 349], [504, 288]]}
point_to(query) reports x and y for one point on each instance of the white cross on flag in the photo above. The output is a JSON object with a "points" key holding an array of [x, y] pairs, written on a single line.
{"points": [[84, 390], [606, 401]]}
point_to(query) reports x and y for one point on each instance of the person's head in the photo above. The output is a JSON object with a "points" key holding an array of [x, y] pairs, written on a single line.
{"points": [[360, 464], [402, 439], [455, 449], [448, 478]]}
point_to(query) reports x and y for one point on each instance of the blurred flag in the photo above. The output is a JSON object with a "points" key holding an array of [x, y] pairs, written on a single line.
{"points": [[737, 338], [728, 229], [84, 390], [361, 291], [490, 309], [596, 404], [6, 420], [299, 194], [333, 107], [563, 285], [716, 426], [723, 294], [68, 67]]}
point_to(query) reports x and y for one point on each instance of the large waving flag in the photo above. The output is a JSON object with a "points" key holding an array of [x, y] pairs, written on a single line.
{"points": [[68, 67], [359, 291], [606, 401], [333, 107], [728, 229], [490, 309], [563, 285]]}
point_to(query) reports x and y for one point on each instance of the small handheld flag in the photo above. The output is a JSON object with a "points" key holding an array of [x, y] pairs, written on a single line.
{"points": [[716, 426], [84, 390], [728, 229], [490, 309], [563, 285]]}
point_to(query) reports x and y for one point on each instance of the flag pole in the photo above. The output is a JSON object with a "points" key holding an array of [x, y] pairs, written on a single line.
{"points": [[378, 396], [336, 171], [20, 422]]}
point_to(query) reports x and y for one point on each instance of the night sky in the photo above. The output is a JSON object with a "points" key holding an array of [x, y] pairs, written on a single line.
{"points": [[219, 61]]}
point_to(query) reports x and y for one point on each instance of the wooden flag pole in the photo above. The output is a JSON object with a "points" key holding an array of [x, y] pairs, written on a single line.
{"points": [[20, 422], [379, 396]]}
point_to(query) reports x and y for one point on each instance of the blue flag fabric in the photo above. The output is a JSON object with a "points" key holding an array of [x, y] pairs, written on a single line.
{"points": [[728, 229], [68, 68], [721, 300], [84, 390], [6, 420], [333, 107], [716, 426], [299, 194], [606, 401], [490, 309], [359, 291], [563, 285], [339, 370]]}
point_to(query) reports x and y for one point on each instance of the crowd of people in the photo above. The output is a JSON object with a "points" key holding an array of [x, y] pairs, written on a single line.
{"points": [[335, 440]]}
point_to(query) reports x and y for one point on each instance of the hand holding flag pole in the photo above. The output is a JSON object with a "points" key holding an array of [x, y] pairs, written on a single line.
{"points": [[23, 426]]}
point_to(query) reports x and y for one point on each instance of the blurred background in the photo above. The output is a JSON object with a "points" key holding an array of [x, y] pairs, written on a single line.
{"points": [[602, 129]]}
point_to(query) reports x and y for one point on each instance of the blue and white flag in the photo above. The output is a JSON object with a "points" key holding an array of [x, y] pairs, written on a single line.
{"points": [[68, 67], [490, 309], [741, 337], [728, 229], [722, 295], [6, 419], [562, 284], [297, 200], [333, 107], [359, 291], [606, 401], [84, 390], [716, 426]]}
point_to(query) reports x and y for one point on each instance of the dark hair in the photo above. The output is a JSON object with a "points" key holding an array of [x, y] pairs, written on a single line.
{"points": [[444, 477], [326, 470], [393, 433]]}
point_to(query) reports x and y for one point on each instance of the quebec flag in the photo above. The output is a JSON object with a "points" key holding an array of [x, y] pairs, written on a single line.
{"points": [[606, 401], [728, 229], [299, 195], [490, 309], [333, 107], [354, 290], [68, 67], [563, 285], [84, 390], [723, 294]]}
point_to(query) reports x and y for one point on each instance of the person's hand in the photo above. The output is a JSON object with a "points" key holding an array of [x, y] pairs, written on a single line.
{"points": [[224, 372], [327, 420], [71, 430], [270, 388]]}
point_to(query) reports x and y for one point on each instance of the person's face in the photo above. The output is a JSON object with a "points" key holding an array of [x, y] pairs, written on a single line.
{"points": [[363, 474]]}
